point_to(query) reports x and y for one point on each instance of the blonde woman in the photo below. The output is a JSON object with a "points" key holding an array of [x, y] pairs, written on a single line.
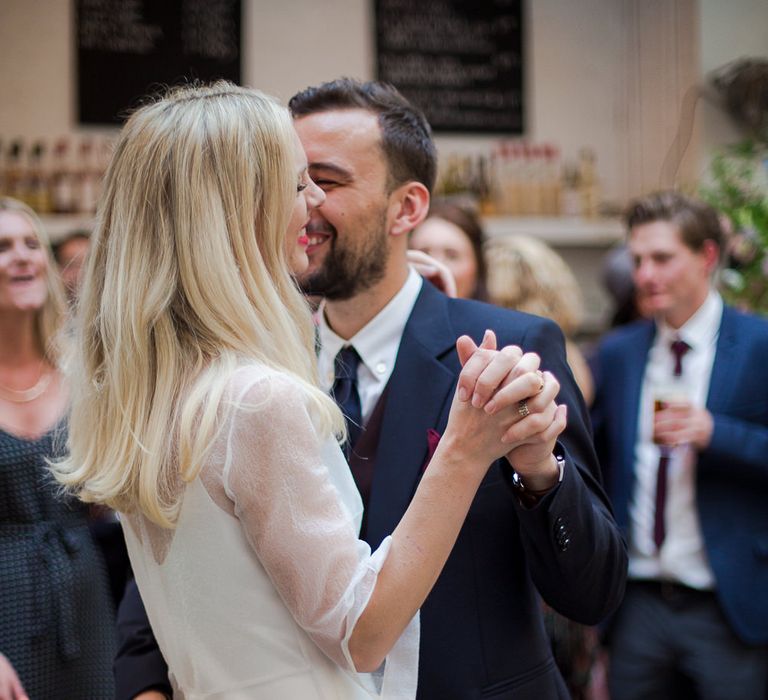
{"points": [[524, 273], [196, 413], [56, 622]]}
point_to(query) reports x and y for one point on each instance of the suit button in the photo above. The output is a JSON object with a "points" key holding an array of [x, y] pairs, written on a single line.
{"points": [[564, 544]]}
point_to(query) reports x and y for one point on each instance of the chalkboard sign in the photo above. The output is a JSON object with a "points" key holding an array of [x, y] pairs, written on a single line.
{"points": [[460, 61], [128, 48]]}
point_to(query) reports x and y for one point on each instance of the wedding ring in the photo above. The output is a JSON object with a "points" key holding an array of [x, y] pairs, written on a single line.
{"points": [[522, 408]]}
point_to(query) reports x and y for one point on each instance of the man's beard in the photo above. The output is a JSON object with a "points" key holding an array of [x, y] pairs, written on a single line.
{"points": [[345, 272]]}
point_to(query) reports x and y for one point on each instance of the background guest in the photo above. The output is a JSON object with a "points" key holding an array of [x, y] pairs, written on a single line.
{"points": [[70, 254], [452, 234], [681, 428], [56, 619], [524, 273]]}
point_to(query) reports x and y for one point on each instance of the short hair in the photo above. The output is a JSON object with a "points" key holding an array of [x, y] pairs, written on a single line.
{"points": [[697, 222], [406, 137], [468, 221]]}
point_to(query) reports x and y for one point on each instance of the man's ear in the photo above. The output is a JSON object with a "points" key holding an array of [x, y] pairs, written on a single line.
{"points": [[408, 207], [711, 255]]}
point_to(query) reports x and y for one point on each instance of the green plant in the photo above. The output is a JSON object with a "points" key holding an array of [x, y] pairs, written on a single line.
{"points": [[739, 189]]}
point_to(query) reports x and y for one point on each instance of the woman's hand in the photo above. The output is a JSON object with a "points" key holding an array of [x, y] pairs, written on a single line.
{"points": [[486, 404], [10, 685], [434, 271], [508, 382]]}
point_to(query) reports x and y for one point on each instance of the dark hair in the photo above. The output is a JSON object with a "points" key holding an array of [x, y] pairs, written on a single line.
{"points": [[406, 137], [79, 234], [696, 221], [468, 221]]}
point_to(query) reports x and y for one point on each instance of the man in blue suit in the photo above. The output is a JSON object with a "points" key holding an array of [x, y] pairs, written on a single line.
{"points": [[548, 527], [681, 429]]}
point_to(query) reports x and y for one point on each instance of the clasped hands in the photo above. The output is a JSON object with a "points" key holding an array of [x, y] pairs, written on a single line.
{"points": [[492, 385]]}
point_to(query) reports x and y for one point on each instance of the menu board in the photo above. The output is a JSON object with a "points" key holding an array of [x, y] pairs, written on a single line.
{"points": [[460, 61], [129, 48]]}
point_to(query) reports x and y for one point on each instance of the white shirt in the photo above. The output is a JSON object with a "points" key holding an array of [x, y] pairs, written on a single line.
{"points": [[377, 344], [682, 556]]}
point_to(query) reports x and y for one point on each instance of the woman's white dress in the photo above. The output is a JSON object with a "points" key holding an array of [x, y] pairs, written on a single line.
{"points": [[257, 590]]}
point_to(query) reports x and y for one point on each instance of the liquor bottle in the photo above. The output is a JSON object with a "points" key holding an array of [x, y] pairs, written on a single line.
{"points": [[14, 172], [87, 179], [588, 184], [38, 185], [570, 197], [62, 179], [551, 183]]}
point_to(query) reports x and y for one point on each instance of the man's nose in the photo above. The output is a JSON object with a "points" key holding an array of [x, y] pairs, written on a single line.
{"points": [[643, 272]]}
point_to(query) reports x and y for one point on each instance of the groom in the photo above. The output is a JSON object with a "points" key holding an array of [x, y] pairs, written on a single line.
{"points": [[549, 529]]}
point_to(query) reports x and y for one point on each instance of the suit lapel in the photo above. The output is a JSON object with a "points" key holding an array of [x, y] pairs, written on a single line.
{"points": [[626, 409], [635, 359], [419, 395], [721, 382]]}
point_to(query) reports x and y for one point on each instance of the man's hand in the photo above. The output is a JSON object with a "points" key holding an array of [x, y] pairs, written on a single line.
{"points": [[10, 685], [498, 380], [681, 423]]}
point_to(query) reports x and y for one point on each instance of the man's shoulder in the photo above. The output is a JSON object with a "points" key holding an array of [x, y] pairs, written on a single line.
{"points": [[468, 314], [626, 335], [748, 324]]}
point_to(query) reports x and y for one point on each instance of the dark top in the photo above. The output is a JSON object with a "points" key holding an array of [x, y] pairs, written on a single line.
{"points": [[56, 618]]}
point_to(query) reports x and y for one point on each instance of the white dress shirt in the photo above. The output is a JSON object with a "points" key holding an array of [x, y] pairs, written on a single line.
{"points": [[376, 343], [682, 556]]}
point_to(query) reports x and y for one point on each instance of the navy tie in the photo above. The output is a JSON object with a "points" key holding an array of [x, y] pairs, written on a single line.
{"points": [[345, 393], [679, 348]]}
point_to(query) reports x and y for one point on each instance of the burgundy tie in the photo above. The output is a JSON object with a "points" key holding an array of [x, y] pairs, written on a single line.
{"points": [[679, 348]]}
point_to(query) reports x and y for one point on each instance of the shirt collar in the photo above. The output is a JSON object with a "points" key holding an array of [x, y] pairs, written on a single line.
{"points": [[378, 341], [701, 328]]}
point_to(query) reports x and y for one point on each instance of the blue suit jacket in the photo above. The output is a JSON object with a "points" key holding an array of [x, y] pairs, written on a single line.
{"points": [[481, 629], [732, 473]]}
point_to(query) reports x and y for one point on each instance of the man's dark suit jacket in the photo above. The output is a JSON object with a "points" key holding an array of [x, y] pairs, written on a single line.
{"points": [[481, 629], [731, 474]]}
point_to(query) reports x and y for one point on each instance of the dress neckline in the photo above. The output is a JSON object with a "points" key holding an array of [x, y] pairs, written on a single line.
{"points": [[33, 438]]}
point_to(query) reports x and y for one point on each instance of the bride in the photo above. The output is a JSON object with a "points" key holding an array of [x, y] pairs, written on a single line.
{"points": [[196, 413]]}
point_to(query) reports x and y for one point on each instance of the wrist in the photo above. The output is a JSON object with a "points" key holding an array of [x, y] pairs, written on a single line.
{"points": [[541, 479]]}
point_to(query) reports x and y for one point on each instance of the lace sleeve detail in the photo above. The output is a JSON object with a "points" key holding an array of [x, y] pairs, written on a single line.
{"points": [[277, 474]]}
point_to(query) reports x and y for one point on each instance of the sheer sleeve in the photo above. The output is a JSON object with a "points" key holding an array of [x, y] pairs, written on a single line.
{"points": [[295, 498]]}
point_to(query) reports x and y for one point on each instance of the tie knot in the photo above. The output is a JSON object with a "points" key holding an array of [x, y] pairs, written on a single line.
{"points": [[346, 363], [679, 348]]}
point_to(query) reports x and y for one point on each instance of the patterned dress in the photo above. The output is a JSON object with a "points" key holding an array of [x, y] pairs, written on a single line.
{"points": [[56, 618]]}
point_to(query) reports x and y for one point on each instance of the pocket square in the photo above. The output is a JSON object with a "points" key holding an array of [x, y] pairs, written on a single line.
{"points": [[433, 438]]}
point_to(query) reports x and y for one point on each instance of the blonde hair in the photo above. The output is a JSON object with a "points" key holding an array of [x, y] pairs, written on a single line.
{"points": [[524, 273], [52, 316], [187, 279]]}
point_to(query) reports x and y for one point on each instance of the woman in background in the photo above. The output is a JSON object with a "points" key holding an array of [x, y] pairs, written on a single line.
{"points": [[197, 413], [56, 620], [452, 234], [524, 273]]}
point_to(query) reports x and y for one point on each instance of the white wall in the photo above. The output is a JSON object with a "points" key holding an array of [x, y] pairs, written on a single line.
{"points": [[729, 31], [596, 69]]}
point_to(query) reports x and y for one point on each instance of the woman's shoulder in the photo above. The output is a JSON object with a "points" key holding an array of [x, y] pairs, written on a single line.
{"points": [[255, 384]]}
